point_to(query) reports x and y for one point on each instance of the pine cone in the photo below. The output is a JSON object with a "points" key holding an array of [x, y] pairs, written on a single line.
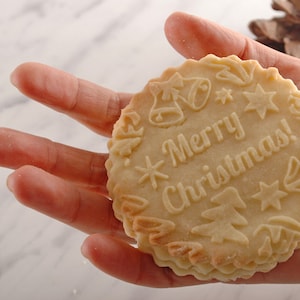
{"points": [[280, 33]]}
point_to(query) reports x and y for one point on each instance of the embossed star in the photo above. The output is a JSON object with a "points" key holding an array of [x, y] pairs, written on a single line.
{"points": [[270, 195], [150, 172], [224, 96], [260, 101]]}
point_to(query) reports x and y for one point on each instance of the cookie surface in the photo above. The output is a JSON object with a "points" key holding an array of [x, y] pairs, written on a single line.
{"points": [[204, 168]]}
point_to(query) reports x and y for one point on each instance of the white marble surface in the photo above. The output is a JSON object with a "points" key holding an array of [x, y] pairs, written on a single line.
{"points": [[119, 44]]}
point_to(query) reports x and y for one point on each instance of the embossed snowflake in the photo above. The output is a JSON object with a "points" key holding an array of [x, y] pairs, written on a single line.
{"points": [[224, 96], [151, 172]]}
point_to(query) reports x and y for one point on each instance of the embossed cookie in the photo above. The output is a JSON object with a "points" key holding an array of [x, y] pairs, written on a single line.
{"points": [[204, 168]]}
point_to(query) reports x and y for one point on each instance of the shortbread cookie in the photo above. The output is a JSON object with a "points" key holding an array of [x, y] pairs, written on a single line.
{"points": [[204, 168]]}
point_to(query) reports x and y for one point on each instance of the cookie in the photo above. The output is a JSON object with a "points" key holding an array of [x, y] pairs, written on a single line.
{"points": [[204, 168]]}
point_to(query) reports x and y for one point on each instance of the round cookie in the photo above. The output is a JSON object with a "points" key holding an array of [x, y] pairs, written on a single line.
{"points": [[204, 168]]}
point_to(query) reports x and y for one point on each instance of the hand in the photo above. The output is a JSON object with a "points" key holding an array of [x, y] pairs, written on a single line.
{"points": [[68, 184]]}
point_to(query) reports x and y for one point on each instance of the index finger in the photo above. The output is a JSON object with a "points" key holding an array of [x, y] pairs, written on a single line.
{"points": [[96, 107], [195, 37]]}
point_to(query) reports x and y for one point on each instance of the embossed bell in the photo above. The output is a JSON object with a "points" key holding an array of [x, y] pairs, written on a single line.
{"points": [[171, 96]]}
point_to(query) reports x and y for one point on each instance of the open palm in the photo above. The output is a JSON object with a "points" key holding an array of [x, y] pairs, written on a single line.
{"points": [[69, 184]]}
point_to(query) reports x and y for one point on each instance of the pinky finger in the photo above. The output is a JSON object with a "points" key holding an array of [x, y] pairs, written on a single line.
{"points": [[123, 261]]}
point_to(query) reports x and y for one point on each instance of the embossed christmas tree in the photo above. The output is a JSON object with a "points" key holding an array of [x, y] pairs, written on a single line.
{"points": [[225, 218]]}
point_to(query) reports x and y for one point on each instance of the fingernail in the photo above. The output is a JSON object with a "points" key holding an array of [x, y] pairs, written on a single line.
{"points": [[10, 182], [14, 78], [84, 250]]}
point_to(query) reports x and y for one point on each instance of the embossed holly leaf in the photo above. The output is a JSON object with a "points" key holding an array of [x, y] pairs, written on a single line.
{"points": [[279, 224], [132, 205], [124, 147], [292, 178], [128, 136], [130, 126], [194, 251], [294, 101], [155, 228], [283, 233], [233, 70], [224, 219]]}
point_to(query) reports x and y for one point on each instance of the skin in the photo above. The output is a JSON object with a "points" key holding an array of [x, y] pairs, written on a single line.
{"points": [[69, 184]]}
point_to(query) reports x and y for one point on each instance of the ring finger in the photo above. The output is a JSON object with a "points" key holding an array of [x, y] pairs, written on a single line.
{"points": [[82, 167], [83, 209]]}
